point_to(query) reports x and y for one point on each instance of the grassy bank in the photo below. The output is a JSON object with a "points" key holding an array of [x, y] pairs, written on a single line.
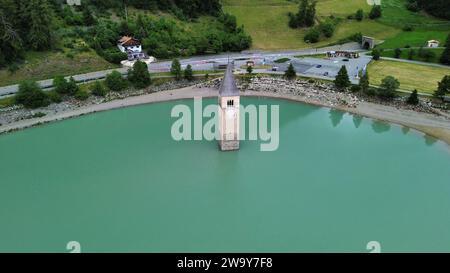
{"points": [[267, 23], [411, 76], [47, 65]]}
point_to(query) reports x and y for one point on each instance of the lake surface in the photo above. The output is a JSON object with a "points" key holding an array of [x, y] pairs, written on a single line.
{"points": [[116, 181]]}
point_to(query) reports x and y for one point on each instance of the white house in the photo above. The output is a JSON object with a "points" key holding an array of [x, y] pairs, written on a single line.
{"points": [[128, 44], [433, 43]]}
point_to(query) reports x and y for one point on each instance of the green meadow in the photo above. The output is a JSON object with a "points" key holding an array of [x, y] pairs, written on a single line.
{"points": [[267, 22]]}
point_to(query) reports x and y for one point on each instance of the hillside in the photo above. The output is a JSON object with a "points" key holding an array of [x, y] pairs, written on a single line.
{"points": [[267, 23], [52, 38]]}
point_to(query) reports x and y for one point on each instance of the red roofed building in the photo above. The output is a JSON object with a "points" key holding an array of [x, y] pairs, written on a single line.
{"points": [[132, 47]]}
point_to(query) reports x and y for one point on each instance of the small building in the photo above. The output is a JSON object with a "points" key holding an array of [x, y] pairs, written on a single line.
{"points": [[132, 47], [433, 43], [229, 103], [127, 44]]}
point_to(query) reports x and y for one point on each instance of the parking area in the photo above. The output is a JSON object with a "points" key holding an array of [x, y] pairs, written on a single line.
{"points": [[325, 67]]}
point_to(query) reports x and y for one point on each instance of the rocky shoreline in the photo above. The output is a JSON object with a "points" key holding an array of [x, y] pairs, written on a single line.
{"points": [[422, 117], [18, 113], [322, 93]]}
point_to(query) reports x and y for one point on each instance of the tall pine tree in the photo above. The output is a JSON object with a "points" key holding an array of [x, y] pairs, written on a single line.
{"points": [[342, 80], [445, 57], [40, 19]]}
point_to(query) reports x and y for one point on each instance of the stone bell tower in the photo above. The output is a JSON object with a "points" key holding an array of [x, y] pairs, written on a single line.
{"points": [[229, 101]]}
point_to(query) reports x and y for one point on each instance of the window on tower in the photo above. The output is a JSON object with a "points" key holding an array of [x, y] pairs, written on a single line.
{"points": [[230, 103]]}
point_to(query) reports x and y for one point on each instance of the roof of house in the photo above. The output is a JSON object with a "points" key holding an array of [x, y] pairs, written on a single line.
{"points": [[228, 86], [129, 41]]}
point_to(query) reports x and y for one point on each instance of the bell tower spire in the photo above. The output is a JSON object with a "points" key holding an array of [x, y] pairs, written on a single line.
{"points": [[229, 102]]}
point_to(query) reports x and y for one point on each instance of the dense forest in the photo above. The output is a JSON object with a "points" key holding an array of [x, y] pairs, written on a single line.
{"points": [[42, 25], [438, 8]]}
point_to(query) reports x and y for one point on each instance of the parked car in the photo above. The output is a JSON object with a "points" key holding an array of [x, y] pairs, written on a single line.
{"points": [[275, 68], [318, 66]]}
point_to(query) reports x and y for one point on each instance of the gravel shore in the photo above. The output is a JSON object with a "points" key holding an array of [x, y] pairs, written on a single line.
{"points": [[320, 94]]}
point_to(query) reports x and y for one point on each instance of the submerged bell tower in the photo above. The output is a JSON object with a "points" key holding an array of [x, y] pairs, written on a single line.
{"points": [[229, 101]]}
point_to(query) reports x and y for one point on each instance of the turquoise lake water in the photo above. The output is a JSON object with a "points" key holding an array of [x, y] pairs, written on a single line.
{"points": [[116, 182]]}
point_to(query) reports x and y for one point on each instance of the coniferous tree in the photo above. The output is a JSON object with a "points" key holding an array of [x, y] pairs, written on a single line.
{"points": [[364, 82], [305, 16], [11, 43], [290, 73], [413, 99], [40, 22], [443, 88], [375, 12], [249, 69], [342, 80], [88, 17], [359, 15], [176, 69], [445, 57], [188, 73], [139, 76]]}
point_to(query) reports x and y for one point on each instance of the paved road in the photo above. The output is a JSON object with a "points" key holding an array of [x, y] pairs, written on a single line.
{"points": [[205, 63]]}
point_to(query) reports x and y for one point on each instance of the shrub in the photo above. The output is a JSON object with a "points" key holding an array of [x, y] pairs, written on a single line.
{"points": [[408, 27], [54, 97], [375, 12], [98, 89], [388, 87], [411, 54], [72, 86], [359, 15], [376, 54], [355, 88], [397, 53], [428, 55], [312, 36], [81, 95], [412, 5], [62, 86], [13, 68], [30, 94], [115, 82], [327, 28]]}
